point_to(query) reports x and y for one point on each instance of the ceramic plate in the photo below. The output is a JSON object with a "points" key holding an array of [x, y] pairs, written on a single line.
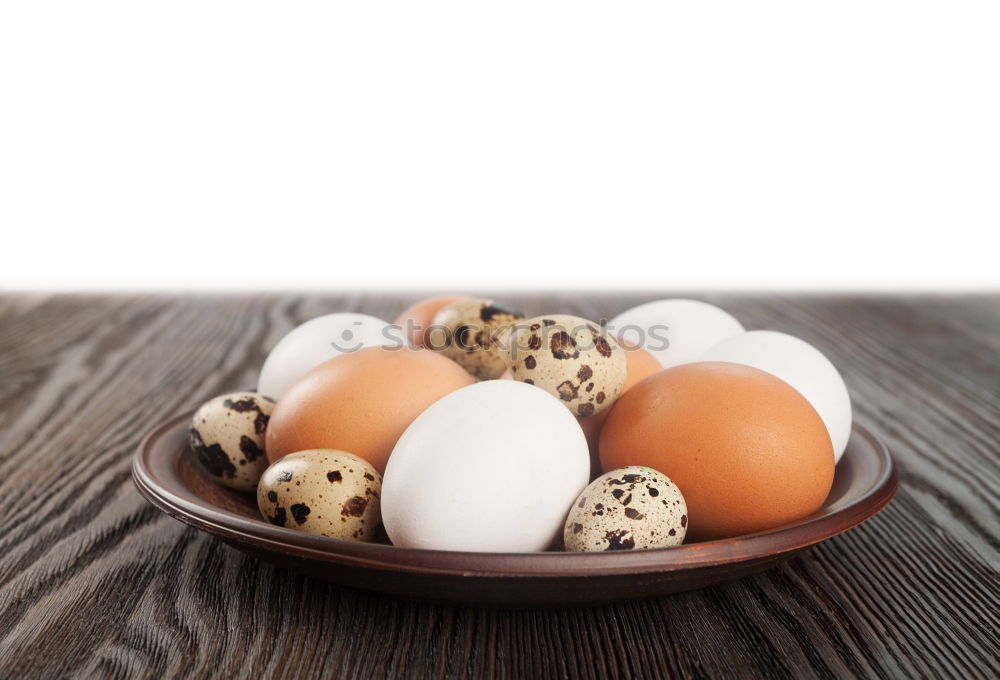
{"points": [[167, 474]]}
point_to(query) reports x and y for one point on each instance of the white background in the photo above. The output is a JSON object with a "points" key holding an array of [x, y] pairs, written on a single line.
{"points": [[206, 145]]}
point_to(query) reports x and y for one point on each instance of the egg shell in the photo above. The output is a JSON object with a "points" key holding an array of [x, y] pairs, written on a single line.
{"points": [[473, 333], [632, 508], [416, 319], [800, 365], [317, 340], [675, 331], [227, 436], [361, 402], [492, 467], [323, 492], [570, 358], [749, 452]]}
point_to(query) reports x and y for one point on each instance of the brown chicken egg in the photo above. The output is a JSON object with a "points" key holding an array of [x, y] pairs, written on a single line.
{"points": [[361, 402], [748, 451], [417, 318]]}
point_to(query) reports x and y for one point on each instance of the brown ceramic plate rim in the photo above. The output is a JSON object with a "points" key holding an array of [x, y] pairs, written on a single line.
{"points": [[158, 481]]}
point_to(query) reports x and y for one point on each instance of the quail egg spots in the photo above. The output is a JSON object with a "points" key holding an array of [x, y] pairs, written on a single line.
{"points": [[632, 508], [570, 358], [473, 333], [227, 437], [324, 492]]}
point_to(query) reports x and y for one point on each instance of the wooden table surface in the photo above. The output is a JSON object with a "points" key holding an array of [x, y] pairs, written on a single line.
{"points": [[96, 583]]}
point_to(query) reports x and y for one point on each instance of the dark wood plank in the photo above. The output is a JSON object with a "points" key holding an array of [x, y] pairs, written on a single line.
{"points": [[95, 583]]}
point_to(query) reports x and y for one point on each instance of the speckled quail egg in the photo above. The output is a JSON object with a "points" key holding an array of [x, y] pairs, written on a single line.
{"points": [[324, 492], [227, 436], [631, 508], [570, 358], [473, 333]]}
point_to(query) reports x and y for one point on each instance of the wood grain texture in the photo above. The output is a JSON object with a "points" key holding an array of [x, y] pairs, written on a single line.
{"points": [[95, 583]]}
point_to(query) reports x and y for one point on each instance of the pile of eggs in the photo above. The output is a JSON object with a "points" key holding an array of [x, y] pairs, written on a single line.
{"points": [[465, 426]]}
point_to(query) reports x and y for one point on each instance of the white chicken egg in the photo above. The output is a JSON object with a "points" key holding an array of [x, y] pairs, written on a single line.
{"points": [[800, 365], [675, 331], [492, 467], [313, 342]]}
